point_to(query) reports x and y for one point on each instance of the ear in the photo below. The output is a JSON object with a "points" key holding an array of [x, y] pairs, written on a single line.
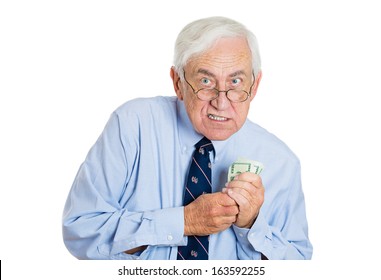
{"points": [[256, 84], [176, 83]]}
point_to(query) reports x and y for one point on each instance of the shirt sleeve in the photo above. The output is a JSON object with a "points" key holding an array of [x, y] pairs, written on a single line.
{"points": [[95, 224], [280, 234]]}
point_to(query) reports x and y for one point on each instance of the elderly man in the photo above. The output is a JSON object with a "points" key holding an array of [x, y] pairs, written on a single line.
{"points": [[154, 186]]}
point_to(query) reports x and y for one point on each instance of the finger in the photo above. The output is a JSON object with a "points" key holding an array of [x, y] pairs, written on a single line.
{"points": [[224, 200], [218, 203], [244, 191], [221, 220], [252, 199], [238, 196], [230, 211], [252, 178], [246, 188], [228, 220]]}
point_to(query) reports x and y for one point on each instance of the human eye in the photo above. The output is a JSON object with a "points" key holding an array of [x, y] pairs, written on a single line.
{"points": [[236, 82], [206, 82]]}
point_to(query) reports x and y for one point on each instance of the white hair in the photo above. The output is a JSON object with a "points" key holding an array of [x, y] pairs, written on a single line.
{"points": [[200, 35]]}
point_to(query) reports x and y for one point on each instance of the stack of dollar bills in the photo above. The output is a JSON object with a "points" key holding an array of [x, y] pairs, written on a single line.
{"points": [[242, 165]]}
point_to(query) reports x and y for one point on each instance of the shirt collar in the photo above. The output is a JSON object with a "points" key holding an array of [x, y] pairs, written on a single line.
{"points": [[188, 136]]}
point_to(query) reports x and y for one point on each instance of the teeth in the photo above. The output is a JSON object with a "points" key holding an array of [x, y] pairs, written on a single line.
{"points": [[216, 118]]}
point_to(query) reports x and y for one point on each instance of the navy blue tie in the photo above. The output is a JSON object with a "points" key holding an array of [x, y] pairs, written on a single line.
{"points": [[199, 182]]}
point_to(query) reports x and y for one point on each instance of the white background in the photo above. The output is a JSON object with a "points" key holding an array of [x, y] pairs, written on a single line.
{"points": [[66, 65]]}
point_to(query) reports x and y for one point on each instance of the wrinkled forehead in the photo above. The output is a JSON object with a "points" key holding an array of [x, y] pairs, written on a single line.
{"points": [[227, 55]]}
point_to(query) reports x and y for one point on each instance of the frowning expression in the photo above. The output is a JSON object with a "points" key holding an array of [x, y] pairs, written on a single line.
{"points": [[225, 66]]}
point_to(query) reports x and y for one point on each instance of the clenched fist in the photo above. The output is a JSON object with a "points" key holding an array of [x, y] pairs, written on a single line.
{"points": [[248, 192], [210, 213]]}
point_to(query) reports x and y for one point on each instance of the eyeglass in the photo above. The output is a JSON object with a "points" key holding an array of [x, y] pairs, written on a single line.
{"points": [[209, 94]]}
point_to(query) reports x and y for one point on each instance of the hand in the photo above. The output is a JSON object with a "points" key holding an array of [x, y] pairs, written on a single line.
{"points": [[209, 213], [248, 192]]}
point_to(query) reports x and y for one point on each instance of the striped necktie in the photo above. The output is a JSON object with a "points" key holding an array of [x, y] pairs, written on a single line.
{"points": [[199, 181]]}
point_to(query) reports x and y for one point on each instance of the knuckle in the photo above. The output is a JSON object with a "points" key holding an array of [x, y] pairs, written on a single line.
{"points": [[214, 212], [232, 210], [215, 221], [256, 179]]}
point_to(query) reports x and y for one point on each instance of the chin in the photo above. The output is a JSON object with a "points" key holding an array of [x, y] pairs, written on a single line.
{"points": [[218, 131], [218, 136]]}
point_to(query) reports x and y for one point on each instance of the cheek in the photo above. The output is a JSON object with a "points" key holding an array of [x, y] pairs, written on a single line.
{"points": [[241, 115], [198, 116], [190, 104], [193, 108]]}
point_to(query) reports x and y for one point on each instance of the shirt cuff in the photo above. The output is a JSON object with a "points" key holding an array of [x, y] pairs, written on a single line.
{"points": [[255, 240], [162, 227], [242, 235], [170, 226], [260, 235]]}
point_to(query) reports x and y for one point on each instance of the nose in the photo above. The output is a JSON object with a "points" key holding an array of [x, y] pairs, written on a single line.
{"points": [[221, 102]]}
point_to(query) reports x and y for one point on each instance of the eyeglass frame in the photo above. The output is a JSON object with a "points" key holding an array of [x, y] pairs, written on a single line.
{"points": [[248, 94]]}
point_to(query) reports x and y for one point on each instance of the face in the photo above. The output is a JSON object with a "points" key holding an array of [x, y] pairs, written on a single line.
{"points": [[227, 65]]}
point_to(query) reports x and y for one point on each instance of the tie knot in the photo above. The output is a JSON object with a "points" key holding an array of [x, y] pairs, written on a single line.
{"points": [[204, 145]]}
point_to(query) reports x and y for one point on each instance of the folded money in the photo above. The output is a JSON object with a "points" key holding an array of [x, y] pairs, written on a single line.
{"points": [[242, 165]]}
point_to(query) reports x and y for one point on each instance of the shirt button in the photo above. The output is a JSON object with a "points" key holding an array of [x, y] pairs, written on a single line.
{"points": [[169, 237], [240, 234]]}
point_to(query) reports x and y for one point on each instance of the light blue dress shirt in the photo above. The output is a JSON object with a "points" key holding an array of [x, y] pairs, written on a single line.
{"points": [[129, 190]]}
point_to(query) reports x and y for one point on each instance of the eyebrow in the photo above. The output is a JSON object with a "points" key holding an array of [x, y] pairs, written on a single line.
{"points": [[210, 74], [237, 73], [206, 72]]}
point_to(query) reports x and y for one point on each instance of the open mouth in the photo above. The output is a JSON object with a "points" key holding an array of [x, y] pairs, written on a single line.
{"points": [[216, 118]]}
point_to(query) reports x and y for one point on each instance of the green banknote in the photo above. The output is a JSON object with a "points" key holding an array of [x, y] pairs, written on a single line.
{"points": [[242, 165]]}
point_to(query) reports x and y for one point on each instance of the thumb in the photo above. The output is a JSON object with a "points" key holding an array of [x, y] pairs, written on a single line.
{"points": [[225, 200]]}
